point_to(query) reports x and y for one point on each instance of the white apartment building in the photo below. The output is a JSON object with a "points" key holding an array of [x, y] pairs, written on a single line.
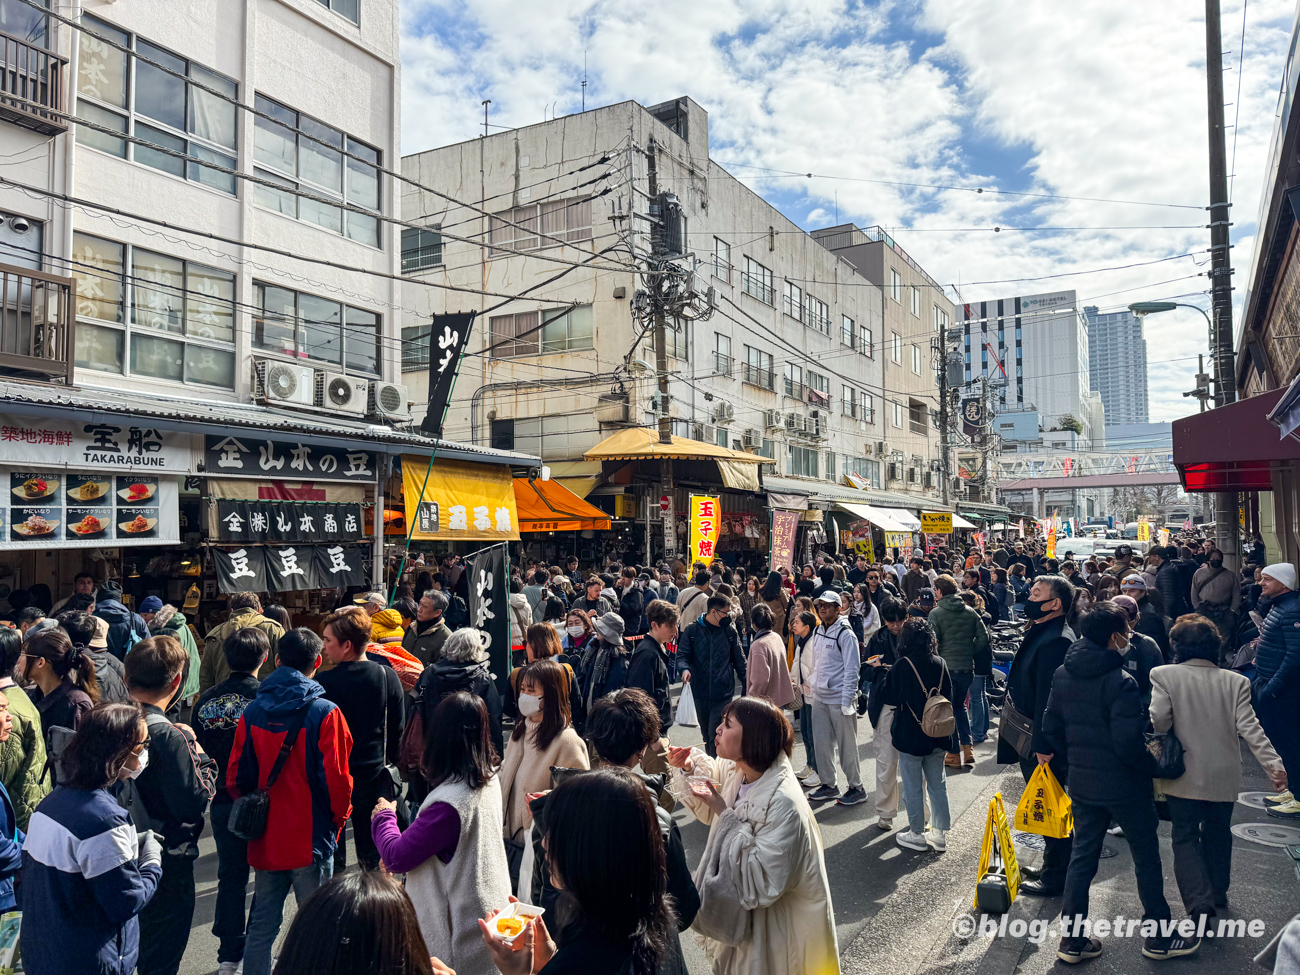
{"points": [[1117, 362], [790, 364]]}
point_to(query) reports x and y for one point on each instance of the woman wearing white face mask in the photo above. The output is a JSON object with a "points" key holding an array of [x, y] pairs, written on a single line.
{"points": [[542, 643], [545, 737], [90, 893]]}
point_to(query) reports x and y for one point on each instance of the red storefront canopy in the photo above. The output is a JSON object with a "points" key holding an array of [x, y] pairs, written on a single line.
{"points": [[1232, 448]]}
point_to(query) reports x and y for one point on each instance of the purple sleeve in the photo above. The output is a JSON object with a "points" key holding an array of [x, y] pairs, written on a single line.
{"points": [[435, 832]]}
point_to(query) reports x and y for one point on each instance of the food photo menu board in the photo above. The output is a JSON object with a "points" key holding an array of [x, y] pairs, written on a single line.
{"points": [[83, 509]]}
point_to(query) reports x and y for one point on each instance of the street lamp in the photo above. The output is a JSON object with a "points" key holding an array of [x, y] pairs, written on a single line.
{"points": [[1144, 308]]}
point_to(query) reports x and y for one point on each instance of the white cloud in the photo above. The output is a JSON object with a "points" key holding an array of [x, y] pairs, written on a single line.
{"points": [[1103, 100]]}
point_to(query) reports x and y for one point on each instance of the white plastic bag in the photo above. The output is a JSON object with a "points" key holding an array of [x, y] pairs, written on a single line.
{"points": [[686, 716]]}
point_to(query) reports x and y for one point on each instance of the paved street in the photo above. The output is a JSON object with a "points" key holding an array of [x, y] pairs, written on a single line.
{"points": [[896, 909]]}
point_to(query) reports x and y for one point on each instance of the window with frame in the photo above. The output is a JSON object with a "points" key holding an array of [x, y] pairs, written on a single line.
{"points": [[306, 326], [896, 350], [895, 285], [916, 359], [848, 332], [538, 226], [865, 342], [898, 414], [349, 9], [118, 91], [758, 281], [918, 416], [819, 388], [868, 409], [514, 335], [849, 402], [792, 299], [794, 380], [306, 156], [415, 348], [828, 467], [144, 314], [758, 368], [17, 19], [818, 314], [567, 329], [421, 248], [803, 461], [940, 319], [722, 361], [916, 301], [722, 259]]}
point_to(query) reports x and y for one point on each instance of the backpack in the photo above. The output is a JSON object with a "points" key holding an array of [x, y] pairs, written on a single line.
{"points": [[937, 719]]}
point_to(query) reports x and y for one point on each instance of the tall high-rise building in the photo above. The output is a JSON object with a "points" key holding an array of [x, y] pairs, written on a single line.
{"points": [[1117, 364]]}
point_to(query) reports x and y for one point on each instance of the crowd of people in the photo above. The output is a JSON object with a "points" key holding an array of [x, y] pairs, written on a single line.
{"points": [[551, 786]]}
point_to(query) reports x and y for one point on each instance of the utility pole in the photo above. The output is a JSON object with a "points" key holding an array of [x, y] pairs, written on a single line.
{"points": [[1225, 368], [942, 347], [661, 366]]}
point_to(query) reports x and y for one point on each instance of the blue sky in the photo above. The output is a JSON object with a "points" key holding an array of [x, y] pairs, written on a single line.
{"points": [[1102, 100]]}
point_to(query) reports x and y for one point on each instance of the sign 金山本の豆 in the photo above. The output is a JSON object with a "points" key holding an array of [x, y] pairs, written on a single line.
{"points": [[936, 523], [706, 515]]}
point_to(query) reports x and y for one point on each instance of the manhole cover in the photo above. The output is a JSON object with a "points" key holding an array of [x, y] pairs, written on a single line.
{"points": [[1253, 799], [1268, 834], [1030, 841]]}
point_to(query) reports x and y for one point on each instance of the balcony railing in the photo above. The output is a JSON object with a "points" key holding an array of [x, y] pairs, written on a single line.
{"points": [[723, 364], [794, 388], [37, 324], [756, 287], [757, 376], [31, 82]]}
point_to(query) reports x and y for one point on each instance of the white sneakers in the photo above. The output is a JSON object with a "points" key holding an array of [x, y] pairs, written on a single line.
{"points": [[810, 781], [884, 824], [912, 841], [804, 772], [935, 840]]}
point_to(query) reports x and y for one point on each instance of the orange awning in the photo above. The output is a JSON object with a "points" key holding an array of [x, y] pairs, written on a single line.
{"points": [[548, 506]]}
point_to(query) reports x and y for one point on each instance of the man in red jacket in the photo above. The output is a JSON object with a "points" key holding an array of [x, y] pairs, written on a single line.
{"points": [[310, 799]]}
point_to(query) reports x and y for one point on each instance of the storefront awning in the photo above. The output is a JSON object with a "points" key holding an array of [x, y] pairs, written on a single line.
{"points": [[448, 501], [1286, 414], [959, 522], [909, 521], [579, 476], [642, 443], [1233, 447], [877, 516], [548, 506]]}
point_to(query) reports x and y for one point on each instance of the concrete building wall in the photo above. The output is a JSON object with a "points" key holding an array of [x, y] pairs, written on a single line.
{"points": [[304, 55], [738, 243]]}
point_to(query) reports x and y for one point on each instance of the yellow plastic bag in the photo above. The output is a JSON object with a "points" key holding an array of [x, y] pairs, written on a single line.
{"points": [[1045, 808]]}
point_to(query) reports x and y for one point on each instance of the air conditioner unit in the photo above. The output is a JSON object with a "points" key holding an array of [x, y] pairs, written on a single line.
{"points": [[340, 393], [705, 432], [882, 448], [791, 422], [817, 425], [612, 408], [772, 419], [389, 401], [751, 438], [724, 412], [284, 383]]}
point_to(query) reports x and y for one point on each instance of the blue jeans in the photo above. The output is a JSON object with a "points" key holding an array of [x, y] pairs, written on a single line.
{"points": [[270, 888], [960, 687], [979, 710], [806, 733], [921, 773]]}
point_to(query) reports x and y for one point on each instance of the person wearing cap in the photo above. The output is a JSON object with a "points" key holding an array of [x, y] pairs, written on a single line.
{"points": [[164, 619], [710, 659], [1123, 564], [1276, 687], [1149, 621], [605, 660], [124, 626], [834, 686]]}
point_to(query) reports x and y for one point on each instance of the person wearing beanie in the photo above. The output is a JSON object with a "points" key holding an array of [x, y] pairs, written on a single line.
{"points": [[386, 635], [1276, 688]]}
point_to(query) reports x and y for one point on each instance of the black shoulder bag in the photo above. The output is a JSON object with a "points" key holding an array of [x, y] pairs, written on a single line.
{"points": [[249, 814]]}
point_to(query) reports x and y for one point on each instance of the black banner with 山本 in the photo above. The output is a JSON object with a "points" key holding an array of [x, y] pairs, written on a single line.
{"points": [[285, 568], [288, 521], [448, 335], [489, 607]]}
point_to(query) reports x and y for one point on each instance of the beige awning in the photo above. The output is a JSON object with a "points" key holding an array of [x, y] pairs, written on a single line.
{"points": [[877, 516], [959, 522], [579, 476], [642, 443]]}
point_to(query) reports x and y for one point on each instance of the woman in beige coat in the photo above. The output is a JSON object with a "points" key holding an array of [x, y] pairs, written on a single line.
{"points": [[1208, 709], [765, 903], [766, 672]]}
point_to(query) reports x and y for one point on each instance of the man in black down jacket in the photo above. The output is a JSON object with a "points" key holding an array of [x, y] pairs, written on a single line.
{"points": [[1029, 683], [1169, 582], [649, 671], [709, 658], [1096, 719]]}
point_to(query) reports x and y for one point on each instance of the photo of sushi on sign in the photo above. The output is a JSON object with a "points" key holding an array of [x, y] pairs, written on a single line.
{"points": [[88, 522], [136, 490], [32, 487], [137, 523], [32, 524], [88, 489]]}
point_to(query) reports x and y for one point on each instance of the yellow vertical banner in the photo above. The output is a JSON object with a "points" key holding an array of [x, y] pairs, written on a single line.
{"points": [[1051, 543], [706, 515]]}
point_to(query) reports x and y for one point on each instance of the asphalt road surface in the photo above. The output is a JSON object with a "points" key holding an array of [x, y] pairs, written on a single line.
{"points": [[898, 911]]}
